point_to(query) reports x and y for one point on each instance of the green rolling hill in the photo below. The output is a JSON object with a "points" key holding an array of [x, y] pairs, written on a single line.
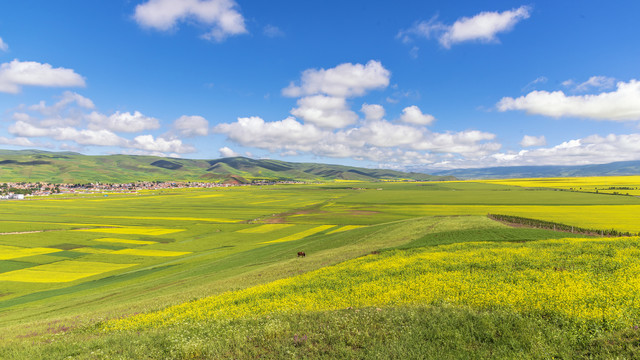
{"points": [[70, 167]]}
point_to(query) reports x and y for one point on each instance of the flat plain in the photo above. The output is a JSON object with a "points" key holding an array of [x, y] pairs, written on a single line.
{"points": [[215, 273]]}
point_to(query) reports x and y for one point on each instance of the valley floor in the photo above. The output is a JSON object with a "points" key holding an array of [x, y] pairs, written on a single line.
{"points": [[414, 270]]}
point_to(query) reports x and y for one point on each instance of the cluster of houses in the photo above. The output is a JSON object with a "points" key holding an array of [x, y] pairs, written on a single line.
{"points": [[17, 191], [12, 197], [133, 186]]}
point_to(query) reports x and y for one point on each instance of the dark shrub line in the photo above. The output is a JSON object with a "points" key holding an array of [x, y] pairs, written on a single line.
{"points": [[541, 224]]}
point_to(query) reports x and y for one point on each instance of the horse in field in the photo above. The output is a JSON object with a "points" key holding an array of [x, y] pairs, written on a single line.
{"points": [[301, 253]]}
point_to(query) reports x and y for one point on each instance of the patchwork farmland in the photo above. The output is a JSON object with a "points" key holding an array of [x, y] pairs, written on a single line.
{"points": [[218, 269]]}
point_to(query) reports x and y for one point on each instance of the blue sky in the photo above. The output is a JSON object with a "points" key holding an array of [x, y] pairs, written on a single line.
{"points": [[410, 85]]}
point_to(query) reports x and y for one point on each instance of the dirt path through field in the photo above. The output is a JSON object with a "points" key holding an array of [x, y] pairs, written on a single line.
{"points": [[23, 232]]}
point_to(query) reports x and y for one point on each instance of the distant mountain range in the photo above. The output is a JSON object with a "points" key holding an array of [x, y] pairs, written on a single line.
{"points": [[70, 167], [616, 168]]}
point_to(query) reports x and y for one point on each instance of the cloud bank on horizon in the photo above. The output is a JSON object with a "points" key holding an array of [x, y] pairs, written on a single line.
{"points": [[368, 112], [329, 128]]}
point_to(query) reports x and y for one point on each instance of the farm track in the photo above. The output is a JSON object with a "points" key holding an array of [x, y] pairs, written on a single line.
{"points": [[29, 232]]}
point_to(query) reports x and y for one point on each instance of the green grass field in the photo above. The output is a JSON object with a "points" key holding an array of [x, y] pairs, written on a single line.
{"points": [[70, 266]]}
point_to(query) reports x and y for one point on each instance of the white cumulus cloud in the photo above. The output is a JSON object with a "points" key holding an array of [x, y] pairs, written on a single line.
{"points": [[16, 74], [68, 98], [221, 15], [122, 122], [375, 140], [18, 141], [325, 111], [528, 141], [471, 143], [101, 137], [161, 145], [68, 120], [594, 149], [82, 137], [227, 152], [483, 27], [25, 129], [385, 134], [413, 115], [191, 126], [372, 111], [623, 104], [276, 135], [344, 80], [3, 45]]}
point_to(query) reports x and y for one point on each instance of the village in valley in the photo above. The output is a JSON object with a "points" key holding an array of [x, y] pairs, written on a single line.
{"points": [[20, 190]]}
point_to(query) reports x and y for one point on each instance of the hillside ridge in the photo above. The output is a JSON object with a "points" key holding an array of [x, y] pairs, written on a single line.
{"points": [[70, 167]]}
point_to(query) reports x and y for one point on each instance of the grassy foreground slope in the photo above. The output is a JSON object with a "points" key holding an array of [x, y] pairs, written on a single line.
{"points": [[467, 300], [444, 282], [69, 167]]}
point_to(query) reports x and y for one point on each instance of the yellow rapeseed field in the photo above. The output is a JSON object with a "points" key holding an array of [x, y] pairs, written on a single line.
{"points": [[587, 281], [13, 252], [133, 231], [61, 271], [150, 252], [604, 184], [301, 235], [570, 182], [125, 241], [218, 220], [38, 276]]}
